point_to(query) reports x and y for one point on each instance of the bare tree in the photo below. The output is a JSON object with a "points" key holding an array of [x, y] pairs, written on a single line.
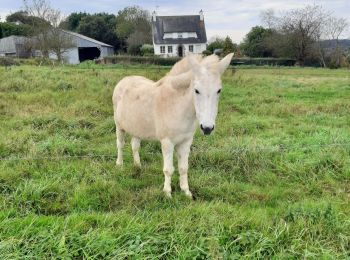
{"points": [[269, 18], [334, 28], [48, 36], [304, 27], [297, 31]]}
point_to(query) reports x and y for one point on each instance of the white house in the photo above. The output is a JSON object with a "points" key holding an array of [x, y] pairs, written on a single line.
{"points": [[176, 36]]}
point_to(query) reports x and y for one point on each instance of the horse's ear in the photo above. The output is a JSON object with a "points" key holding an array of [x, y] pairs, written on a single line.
{"points": [[225, 62], [193, 63], [181, 81]]}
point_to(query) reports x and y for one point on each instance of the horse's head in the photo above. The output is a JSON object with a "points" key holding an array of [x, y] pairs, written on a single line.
{"points": [[206, 87]]}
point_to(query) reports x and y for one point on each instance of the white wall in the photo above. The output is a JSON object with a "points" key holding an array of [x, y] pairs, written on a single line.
{"points": [[71, 56], [106, 51], [197, 49]]}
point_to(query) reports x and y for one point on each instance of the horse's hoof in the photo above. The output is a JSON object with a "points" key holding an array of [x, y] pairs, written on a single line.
{"points": [[119, 164], [137, 165], [167, 194], [189, 194]]}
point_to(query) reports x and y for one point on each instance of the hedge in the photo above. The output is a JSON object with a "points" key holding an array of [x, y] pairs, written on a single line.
{"points": [[140, 60], [171, 61], [264, 61], [8, 61]]}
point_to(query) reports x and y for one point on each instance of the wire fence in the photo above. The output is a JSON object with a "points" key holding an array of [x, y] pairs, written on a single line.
{"points": [[276, 148]]}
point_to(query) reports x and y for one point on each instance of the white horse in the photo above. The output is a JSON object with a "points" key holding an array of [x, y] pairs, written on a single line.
{"points": [[169, 111]]}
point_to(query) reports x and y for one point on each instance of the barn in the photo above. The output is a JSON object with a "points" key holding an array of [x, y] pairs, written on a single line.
{"points": [[14, 46], [85, 48], [176, 36]]}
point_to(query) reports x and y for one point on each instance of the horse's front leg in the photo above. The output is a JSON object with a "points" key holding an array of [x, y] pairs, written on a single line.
{"points": [[183, 151], [168, 168]]}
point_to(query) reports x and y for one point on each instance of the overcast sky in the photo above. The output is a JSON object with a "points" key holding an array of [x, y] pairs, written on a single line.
{"points": [[222, 17]]}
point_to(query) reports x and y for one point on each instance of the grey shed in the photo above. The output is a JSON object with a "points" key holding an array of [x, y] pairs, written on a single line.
{"points": [[85, 48], [15, 46]]}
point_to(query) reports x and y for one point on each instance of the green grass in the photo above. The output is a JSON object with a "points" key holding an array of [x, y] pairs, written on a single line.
{"points": [[268, 184]]}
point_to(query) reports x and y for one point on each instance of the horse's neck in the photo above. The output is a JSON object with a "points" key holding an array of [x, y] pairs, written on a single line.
{"points": [[182, 104]]}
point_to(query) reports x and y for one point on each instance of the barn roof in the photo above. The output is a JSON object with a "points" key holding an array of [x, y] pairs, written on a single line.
{"points": [[78, 35], [183, 23]]}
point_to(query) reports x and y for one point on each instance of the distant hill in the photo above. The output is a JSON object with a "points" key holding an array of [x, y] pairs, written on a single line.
{"points": [[330, 44]]}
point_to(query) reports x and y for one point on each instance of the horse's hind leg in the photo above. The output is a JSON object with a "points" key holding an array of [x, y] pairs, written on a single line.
{"points": [[135, 145], [120, 144]]}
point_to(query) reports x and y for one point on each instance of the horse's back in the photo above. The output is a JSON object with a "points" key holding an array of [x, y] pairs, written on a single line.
{"points": [[131, 84], [133, 101]]}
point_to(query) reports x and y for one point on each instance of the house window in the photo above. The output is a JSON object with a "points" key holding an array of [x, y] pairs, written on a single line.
{"points": [[190, 48], [170, 49], [162, 49]]}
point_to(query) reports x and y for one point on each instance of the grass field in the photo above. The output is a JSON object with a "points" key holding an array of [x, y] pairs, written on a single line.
{"points": [[273, 180]]}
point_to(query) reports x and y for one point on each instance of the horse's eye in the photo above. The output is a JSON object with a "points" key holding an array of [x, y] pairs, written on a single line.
{"points": [[219, 91], [197, 92]]}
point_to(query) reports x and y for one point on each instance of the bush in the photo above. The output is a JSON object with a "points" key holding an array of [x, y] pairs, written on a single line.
{"points": [[134, 50], [147, 50], [206, 52], [6, 61]]}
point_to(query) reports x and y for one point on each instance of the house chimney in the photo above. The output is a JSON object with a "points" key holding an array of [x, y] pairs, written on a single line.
{"points": [[201, 16], [154, 14]]}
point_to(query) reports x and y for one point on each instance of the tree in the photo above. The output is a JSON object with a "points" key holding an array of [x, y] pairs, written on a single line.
{"points": [[8, 29], [134, 27], [229, 46], [72, 22], [302, 34], [48, 36], [135, 42], [25, 18], [300, 30], [100, 27], [334, 28], [255, 44], [216, 43]]}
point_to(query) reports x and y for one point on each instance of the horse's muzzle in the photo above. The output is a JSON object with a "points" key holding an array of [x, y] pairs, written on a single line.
{"points": [[207, 130]]}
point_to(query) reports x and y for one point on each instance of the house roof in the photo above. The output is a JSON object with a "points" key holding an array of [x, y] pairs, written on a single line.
{"points": [[183, 23], [78, 35]]}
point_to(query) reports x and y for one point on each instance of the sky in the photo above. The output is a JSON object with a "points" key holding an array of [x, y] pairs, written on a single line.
{"points": [[222, 17]]}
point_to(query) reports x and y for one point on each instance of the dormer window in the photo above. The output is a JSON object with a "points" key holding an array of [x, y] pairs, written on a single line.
{"points": [[180, 35]]}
